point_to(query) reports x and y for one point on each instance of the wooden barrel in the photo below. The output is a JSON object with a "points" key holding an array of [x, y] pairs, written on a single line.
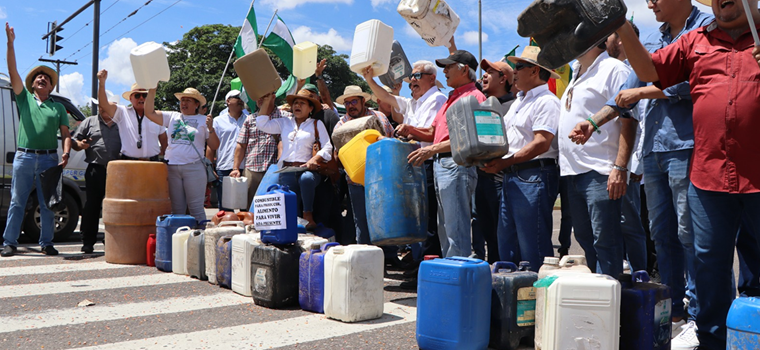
{"points": [[136, 193]]}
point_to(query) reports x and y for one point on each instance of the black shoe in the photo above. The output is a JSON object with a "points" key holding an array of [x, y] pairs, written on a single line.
{"points": [[562, 252], [410, 285], [50, 250], [87, 248], [8, 250], [411, 273]]}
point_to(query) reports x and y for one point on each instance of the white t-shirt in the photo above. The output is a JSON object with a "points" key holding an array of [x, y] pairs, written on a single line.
{"points": [[182, 130], [536, 110], [584, 96], [420, 113], [126, 118], [296, 140]]}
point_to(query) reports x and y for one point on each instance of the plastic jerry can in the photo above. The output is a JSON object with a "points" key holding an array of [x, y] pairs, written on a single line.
{"points": [[278, 227], [582, 312], [373, 41], [453, 304], [743, 324], [270, 178], [257, 73], [149, 64], [433, 20], [151, 250], [353, 155], [196, 257], [513, 305], [306, 240], [235, 192], [166, 226], [304, 59], [242, 248], [179, 250], [645, 310], [346, 132], [224, 262], [354, 282], [210, 237], [311, 278], [398, 211], [398, 68], [566, 29], [274, 275], [476, 130]]}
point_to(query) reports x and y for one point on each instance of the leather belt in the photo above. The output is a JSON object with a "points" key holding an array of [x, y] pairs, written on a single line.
{"points": [[148, 159], [536, 163], [443, 155], [38, 151], [293, 163]]}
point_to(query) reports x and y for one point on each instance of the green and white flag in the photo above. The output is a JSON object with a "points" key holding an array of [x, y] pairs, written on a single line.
{"points": [[247, 40], [281, 42]]}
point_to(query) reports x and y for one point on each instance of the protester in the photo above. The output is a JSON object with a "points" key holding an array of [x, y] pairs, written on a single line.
{"points": [[227, 126], [722, 66], [301, 132], [98, 136], [189, 133], [40, 120], [531, 176]]}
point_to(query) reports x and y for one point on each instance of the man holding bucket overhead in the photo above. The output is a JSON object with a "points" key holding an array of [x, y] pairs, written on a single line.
{"points": [[40, 120]]}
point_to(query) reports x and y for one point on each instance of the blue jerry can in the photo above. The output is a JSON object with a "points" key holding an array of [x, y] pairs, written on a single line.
{"points": [[289, 234], [270, 178], [645, 309], [395, 190], [311, 278], [224, 262], [166, 225], [513, 305], [743, 324], [453, 304]]}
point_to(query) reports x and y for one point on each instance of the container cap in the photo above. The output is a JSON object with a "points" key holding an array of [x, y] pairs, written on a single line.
{"points": [[551, 260], [744, 315]]}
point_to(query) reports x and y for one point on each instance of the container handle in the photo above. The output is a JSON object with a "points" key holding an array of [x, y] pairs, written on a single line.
{"points": [[504, 265], [275, 186], [182, 229], [572, 260], [328, 245], [231, 223], [641, 276]]}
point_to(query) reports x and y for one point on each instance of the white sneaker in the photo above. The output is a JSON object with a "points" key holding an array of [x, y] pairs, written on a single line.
{"points": [[675, 328], [687, 339]]}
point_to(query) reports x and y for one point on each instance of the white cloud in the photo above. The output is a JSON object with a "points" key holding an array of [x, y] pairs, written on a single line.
{"points": [[71, 86], [289, 4], [331, 38], [471, 37], [377, 3], [642, 17], [409, 30], [117, 63], [4, 15]]}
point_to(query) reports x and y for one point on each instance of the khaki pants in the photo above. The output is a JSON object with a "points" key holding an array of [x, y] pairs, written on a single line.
{"points": [[254, 179]]}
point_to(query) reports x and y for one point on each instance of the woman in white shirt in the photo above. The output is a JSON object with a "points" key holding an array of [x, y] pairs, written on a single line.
{"points": [[300, 134], [188, 132]]}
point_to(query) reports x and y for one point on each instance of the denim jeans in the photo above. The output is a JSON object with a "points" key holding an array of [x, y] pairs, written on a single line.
{"points": [[525, 223], [748, 251], [358, 204], [485, 215], [304, 184], [566, 223], [596, 222], [634, 237], [27, 168], [454, 188], [431, 245], [95, 180], [187, 189], [716, 217], [666, 182]]}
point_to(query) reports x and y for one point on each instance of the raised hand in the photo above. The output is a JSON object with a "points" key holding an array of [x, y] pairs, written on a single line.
{"points": [[10, 33]]}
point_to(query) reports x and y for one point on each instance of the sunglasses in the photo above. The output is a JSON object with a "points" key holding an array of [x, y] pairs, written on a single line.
{"points": [[353, 102], [654, 2], [137, 95], [520, 65], [418, 75]]}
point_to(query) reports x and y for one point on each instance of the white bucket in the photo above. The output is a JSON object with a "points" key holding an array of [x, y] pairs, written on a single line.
{"points": [[304, 59], [433, 20], [235, 192], [373, 42], [150, 65], [242, 248], [354, 282]]}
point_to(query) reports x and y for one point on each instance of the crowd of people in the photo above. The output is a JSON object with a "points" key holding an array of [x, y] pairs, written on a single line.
{"points": [[673, 112]]}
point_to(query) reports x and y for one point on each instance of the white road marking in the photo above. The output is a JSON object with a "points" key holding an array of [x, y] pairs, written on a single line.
{"points": [[55, 268], [91, 285]]}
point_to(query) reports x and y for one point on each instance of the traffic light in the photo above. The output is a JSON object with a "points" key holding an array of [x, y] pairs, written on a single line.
{"points": [[54, 38]]}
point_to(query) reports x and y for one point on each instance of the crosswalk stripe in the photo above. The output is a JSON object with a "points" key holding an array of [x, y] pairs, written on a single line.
{"points": [[40, 269], [64, 250], [91, 285], [272, 334], [100, 313]]}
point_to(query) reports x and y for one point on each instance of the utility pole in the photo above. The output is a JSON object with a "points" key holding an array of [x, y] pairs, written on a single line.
{"points": [[480, 38], [57, 68]]}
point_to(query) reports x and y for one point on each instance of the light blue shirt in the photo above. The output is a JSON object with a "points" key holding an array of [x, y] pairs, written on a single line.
{"points": [[227, 129]]}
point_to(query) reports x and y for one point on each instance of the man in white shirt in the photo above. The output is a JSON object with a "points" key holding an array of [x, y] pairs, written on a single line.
{"points": [[596, 173], [531, 176], [227, 126]]}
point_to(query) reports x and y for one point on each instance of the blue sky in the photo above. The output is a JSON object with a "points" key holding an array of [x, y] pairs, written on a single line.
{"points": [[321, 21]]}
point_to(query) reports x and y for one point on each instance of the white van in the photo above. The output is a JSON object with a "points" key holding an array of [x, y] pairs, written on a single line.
{"points": [[67, 217]]}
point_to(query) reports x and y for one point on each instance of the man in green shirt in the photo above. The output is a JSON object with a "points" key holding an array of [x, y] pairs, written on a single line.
{"points": [[40, 120]]}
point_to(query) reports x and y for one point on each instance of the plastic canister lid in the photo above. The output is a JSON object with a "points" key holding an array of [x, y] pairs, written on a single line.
{"points": [[430, 257], [551, 260], [744, 315]]}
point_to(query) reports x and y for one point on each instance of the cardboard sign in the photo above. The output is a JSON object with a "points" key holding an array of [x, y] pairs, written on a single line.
{"points": [[269, 212]]}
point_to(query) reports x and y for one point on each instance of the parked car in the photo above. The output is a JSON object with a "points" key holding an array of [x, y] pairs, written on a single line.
{"points": [[67, 216]]}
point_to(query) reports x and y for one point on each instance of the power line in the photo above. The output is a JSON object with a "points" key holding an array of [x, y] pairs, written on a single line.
{"points": [[125, 18], [88, 23]]}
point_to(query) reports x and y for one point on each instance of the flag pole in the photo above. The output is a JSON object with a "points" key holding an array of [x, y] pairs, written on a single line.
{"points": [[221, 79], [751, 22], [268, 25]]}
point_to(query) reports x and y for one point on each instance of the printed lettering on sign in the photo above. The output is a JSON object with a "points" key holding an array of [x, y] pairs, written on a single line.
{"points": [[269, 212]]}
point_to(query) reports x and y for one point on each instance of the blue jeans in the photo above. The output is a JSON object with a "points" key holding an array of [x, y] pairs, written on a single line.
{"points": [[358, 204], [27, 168], [454, 188], [485, 215], [525, 223], [666, 183], [634, 237], [566, 223], [716, 217], [304, 185], [748, 251], [596, 222]]}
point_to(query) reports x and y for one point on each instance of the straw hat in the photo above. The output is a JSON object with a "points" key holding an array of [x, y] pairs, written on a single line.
{"points": [[113, 99], [352, 91], [37, 70], [192, 93], [135, 88], [304, 94], [707, 3], [530, 55], [500, 66]]}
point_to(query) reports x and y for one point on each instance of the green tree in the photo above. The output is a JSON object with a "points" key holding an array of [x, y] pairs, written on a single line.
{"points": [[86, 110]]}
